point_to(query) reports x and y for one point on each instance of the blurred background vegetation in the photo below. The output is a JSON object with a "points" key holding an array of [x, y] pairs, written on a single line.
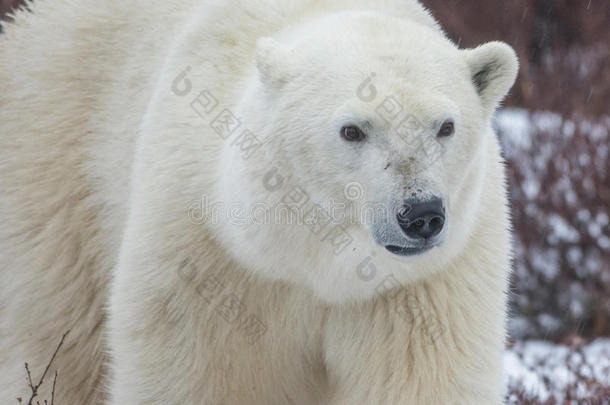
{"points": [[563, 47]]}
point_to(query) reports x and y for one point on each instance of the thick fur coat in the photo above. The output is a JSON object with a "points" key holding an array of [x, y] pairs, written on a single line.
{"points": [[130, 131]]}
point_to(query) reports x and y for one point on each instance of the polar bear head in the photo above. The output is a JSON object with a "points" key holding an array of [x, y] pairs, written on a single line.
{"points": [[375, 134]]}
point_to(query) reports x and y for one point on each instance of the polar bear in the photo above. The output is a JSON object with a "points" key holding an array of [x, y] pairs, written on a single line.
{"points": [[251, 202]]}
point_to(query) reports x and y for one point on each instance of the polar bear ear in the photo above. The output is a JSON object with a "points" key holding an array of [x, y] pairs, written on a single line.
{"points": [[274, 61], [493, 68]]}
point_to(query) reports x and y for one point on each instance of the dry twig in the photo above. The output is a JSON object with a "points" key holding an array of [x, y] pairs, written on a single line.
{"points": [[35, 387]]}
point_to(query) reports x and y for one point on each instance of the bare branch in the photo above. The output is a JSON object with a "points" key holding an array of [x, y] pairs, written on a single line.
{"points": [[53, 392], [29, 375], [35, 388]]}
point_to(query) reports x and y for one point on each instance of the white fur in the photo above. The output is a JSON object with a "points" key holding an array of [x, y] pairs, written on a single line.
{"points": [[102, 159]]}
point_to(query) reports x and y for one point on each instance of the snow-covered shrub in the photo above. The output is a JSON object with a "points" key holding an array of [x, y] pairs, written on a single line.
{"points": [[559, 185]]}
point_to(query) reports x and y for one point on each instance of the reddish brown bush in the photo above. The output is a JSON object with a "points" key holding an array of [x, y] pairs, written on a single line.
{"points": [[560, 193]]}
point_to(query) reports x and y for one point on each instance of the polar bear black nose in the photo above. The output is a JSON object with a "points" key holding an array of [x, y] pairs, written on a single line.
{"points": [[422, 219]]}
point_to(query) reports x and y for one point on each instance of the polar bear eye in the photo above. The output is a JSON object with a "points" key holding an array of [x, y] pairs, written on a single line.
{"points": [[352, 133], [447, 129]]}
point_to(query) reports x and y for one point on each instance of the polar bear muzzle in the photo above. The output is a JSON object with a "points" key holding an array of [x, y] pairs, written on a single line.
{"points": [[422, 222]]}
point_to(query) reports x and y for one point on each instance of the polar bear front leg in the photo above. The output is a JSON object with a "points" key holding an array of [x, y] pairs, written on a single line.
{"points": [[189, 327], [396, 352], [175, 337], [152, 360], [166, 329]]}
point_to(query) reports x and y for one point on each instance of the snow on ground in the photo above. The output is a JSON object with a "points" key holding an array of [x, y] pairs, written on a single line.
{"points": [[558, 374]]}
